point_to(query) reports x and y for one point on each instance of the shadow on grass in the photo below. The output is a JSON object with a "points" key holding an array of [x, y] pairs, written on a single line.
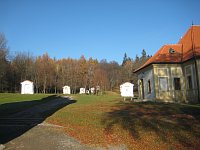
{"points": [[19, 117], [170, 122]]}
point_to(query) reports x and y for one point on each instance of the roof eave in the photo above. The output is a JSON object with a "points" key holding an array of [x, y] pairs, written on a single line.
{"points": [[156, 63]]}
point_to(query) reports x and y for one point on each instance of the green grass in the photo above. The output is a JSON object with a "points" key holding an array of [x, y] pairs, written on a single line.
{"points": [[106, 119], [11, 97], [12, 103], [85, 110]]}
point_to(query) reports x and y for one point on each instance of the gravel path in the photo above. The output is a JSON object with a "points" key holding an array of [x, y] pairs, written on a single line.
{"points": [[27, 130], [44, 137]]}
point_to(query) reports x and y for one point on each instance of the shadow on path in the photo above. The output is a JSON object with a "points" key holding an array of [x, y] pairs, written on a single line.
{"points": [[12, 125]]}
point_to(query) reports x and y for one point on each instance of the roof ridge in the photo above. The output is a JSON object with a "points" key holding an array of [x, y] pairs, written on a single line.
{"points": [[171, 44], [196, 25]]}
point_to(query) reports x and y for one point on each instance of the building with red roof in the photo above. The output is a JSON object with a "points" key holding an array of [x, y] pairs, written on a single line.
{"points": [[173, 73]]}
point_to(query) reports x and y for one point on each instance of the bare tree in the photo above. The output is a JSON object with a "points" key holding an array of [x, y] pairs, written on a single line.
{"points": [[101, 79], [45, 70], [3, 62]]}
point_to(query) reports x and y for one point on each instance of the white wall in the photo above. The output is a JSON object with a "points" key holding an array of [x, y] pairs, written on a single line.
{"points": [[126, 89], [82, 91], [146, 76], [27, 87], [66, 90]]}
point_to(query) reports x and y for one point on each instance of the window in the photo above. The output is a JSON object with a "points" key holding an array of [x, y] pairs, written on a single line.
{"points": [[163, 83], [171, 51], [149, 86], [177, 84], [189, 79], [189, 82]]}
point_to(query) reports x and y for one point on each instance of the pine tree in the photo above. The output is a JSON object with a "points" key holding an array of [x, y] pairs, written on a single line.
{"points": [[124, 59], [137, 58], [144, 54]]}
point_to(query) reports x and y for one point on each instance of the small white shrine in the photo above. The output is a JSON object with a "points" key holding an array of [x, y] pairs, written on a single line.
{"points": [[126, 89], [92, 90], [27, 87], [82, 91], [66, 90]]}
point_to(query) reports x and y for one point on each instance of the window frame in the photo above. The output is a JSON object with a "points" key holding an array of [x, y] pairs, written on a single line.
{"points": [[149, 86], [189, 85], [177, 87], [163, 76], [167, 83]]}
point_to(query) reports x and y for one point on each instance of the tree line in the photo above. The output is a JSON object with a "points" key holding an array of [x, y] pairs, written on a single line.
{"points": [[50, 75]]}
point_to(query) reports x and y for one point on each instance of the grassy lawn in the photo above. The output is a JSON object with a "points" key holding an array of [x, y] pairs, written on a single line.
{"points": [[12, 103], [107, 120]]}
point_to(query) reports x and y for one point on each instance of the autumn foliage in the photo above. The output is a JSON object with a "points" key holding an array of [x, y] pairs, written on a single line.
{"points": [[50, 74]]}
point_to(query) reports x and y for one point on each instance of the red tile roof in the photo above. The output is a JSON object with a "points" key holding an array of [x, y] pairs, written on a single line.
{"points": [[191, 43], [188, 47]]}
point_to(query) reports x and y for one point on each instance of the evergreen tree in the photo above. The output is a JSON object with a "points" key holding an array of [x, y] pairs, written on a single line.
{"points": [[137, 58], [144, 54], [124, 59]]}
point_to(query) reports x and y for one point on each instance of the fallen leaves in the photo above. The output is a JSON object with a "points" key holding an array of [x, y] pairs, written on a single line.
{"points": [[137, 125]]}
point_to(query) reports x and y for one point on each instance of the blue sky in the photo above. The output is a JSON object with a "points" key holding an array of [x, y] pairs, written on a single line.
{"points": [[95, 28]]}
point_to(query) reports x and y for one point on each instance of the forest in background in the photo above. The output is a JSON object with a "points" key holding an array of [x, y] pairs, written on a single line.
{"points": [[50, 74]]}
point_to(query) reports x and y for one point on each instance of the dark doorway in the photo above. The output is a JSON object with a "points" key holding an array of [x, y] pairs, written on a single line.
{"points": [[142, 88]]}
